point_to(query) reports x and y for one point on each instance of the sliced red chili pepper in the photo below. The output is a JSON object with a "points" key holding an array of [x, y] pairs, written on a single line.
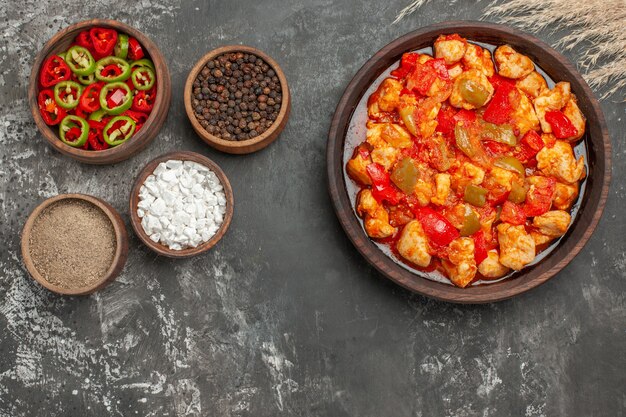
{"points": [[53, 71], [79, 112], [539, 197], [90, 99], [562, 127], [436, 227], [51, 112], [135, 51], [382, 188], [103, 40], [95, 139], [499, 109], [111, 71], [480, 247], [138, 117], [512, 213], [84, 39], [116, 97], [144, 100]]}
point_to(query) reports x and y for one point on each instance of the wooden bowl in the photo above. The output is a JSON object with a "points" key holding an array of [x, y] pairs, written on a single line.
{"points": [[121, 239], [591, 203], [135, 220], [242, 146], [60, 42]]}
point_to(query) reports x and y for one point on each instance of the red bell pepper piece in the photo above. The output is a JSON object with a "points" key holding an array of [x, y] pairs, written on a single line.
{"points": [[512, 213], [103, 40], [51, 112], [439, 65], [407, 63], [496, 148], [467, 117], [135, 51], [53, 71], [90, 99], [562, 127], [424, 75], [144, 100], [528, 147], [382, 188], [499, 109], [437, 228], [445, 120], [539, 198], [497, 80], [480, 247]]}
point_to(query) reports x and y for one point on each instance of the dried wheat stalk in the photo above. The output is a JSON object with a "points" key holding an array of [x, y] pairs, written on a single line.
{"points": [[597, 29]]}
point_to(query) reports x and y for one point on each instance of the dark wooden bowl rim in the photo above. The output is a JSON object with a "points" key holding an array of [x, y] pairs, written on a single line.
{"points": [[151, 127], [599, 153], [134, 200], [121, 240], [248, 145]]}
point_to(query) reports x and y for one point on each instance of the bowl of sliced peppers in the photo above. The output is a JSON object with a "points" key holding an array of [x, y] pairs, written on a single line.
{"points": [[99, 91]]}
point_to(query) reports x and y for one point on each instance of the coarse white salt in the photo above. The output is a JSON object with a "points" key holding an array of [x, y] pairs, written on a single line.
{"points": [[182, 204]]}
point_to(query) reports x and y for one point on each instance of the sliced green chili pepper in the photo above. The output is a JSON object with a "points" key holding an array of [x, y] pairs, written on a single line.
{"points": [[405, 175], [407, 115], [121, 47], [510, 163], [143, 78], [119, 130], [144, 62], [80, 61], [74, 131], [67, 94], [119, 100], [473, 92], [112, 69], [471, 222], [499, 133], [87, 79], [98, 115], [475, 195], [518, 193]]}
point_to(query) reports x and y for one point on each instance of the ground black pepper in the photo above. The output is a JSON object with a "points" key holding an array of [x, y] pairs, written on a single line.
{"points": [[236, 96]]}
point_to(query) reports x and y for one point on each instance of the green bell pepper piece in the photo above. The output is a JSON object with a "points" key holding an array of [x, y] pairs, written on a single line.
{"points": [[471, 222], [122, 133], [123, 106], [518, 193], [473, 92], [70, 122], [499, 133], [80, 61], [510, 163], [475, 195], [405, 175], [104, 63], [67, 94]]}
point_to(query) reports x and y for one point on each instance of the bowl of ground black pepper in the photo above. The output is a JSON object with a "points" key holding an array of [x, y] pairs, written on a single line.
{"points": [[237, 99], [74, 244]]}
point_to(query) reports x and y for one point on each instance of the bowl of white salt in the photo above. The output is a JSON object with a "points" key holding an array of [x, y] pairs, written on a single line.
{"points": [[181, 204]]}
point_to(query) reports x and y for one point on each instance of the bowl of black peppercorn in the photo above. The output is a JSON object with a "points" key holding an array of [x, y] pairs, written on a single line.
{"points": [[237, 99]]}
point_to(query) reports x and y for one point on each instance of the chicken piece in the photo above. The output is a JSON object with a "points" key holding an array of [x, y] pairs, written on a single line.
{"points": [[381, 135], [512, 64], [385, 156], [385, 99], [475, 75], [413, 244], [540, 239], [455, 70], [423, 191], [549, 100], [461, 266], [357, 169], [376, 218], [486, 223], [440, 90], [450, 48], [442, 189], [575, 116], [559, 162], [478, 58], [503, 177], [565, 196], [523, 116], [473, 173], [517, 248], [533, 84], [428, 110], [491, 266], [456, 214], [553, 223]]}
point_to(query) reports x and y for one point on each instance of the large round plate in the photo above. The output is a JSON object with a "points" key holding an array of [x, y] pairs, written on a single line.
{"points": [[591, 203]]}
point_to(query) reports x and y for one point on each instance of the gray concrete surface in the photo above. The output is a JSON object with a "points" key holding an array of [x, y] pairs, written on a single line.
{"points": [[283, 317]]}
